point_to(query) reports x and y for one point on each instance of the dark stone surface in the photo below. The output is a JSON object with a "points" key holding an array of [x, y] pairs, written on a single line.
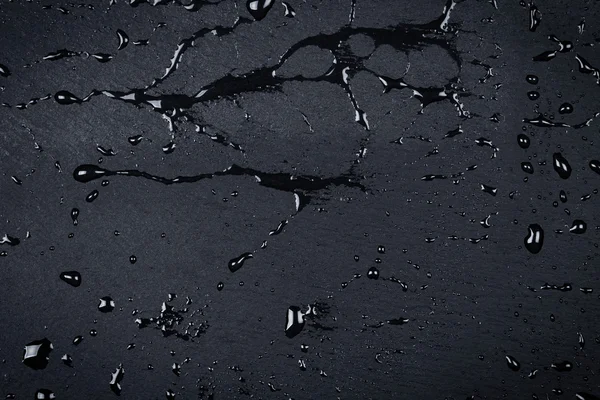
{"points": [[443, 315]]}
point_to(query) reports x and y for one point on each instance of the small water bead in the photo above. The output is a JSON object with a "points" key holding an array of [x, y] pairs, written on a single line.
{"points": [[93, 332], [381, 249], [532, 79], [220, 286], [75, 215], [523, 140], [92, 196], [373, 273], [132, 259], [73, 278], [563, 196], [527, 167], [565, 108], [77, 340], [533, 95]]}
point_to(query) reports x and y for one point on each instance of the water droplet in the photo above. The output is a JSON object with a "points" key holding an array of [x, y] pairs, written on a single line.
{"points": [[294, 321], [102, 57], [37, 353], [116, 378], [135, 140], [513, 363], [532, 79], [563, 366], [527, 167], [92, 196], [65, 98], [44, 394], [77, 340], [220, 286], [123, 39], [381, 249], [259, 8], [561, 166], [74, 215], [67, 360], [87, 172], [595, 166], [534, 239], [373, 273], [132, 259], [563, 196], [107, 304], [578, 227], [73, 278], [169, 148], [533, 95], [523, 140], [170, 394], [237, 262], [565, 108]]}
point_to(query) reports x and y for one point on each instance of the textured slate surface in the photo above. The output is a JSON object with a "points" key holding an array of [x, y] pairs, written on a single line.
{"points": [[369, 127]]}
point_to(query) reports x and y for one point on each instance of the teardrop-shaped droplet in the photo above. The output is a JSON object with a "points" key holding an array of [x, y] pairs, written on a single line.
{"points": [[259, 8], [527, 167], [65, 98], [561, 166], [523, 141], [534, 239], [578, 227], [73, 278], [563, 196], [545, 56], [87, 172], [563, 366], [513, 363], [37, 353], [237, 262], [294, 321]]}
